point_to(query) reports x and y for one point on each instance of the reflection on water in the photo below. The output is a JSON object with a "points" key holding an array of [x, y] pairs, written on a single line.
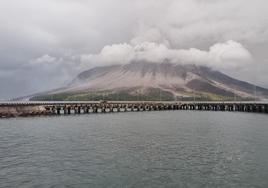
{"points": [[152, 149]]}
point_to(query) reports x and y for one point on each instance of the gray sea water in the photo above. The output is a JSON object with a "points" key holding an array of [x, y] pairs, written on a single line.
{"points": [[136, 149]]}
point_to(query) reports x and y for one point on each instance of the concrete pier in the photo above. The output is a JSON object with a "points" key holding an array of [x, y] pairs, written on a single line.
{"points": [[18, 108]]}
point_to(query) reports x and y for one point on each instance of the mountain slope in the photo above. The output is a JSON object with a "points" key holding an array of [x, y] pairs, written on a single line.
{"points": [[154, 81]]}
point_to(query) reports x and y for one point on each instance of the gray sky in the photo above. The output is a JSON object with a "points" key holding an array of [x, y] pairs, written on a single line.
{"points": [[45, 43]]}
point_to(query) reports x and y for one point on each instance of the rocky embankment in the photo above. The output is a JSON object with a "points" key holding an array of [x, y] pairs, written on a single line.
{"points": [[14, 111]]}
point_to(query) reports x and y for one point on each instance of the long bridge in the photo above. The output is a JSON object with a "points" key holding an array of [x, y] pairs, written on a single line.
{"points": [[35, 108]]}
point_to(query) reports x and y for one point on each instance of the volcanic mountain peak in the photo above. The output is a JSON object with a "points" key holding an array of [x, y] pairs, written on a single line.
{"points": [[135, 75], [174, 80]]}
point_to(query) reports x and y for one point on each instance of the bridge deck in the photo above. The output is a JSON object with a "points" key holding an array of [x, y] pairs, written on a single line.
{"points": [[31, 108], [127, 102]]}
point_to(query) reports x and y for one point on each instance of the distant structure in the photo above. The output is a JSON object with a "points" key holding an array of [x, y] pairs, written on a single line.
{"points": [[14, 109]]}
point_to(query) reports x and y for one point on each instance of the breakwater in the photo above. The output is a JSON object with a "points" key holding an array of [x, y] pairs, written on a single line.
{"points": [[15, 109]]}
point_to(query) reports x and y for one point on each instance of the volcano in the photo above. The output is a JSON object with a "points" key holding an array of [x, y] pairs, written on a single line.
{"points": [[155, 81]]}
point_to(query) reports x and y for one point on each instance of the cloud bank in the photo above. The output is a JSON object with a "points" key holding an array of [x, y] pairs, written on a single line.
{"points": [[228, 55]]}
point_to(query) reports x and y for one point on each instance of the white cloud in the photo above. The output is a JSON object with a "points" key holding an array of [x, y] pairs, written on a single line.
{"points": [[228, 55], [43, 60]]}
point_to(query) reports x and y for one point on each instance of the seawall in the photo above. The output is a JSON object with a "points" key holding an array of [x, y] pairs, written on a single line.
{"points": [[14, 111]]}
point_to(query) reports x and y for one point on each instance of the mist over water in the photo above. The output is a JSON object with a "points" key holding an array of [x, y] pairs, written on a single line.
{"points": [[152, 149]]}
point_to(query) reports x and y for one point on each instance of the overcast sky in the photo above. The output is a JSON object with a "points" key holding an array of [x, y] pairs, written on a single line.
{"points": [[45, 43]]}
